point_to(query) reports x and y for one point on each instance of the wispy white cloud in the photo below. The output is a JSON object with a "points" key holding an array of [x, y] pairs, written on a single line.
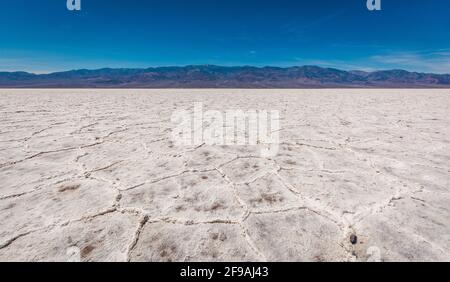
{"points": [[424, 61], [433, 61]]}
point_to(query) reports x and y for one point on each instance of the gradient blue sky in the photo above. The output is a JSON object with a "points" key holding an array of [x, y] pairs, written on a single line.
{"points": [[43, 36]]}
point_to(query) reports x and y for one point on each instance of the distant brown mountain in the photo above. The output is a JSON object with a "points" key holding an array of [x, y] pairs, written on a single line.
{"points": [[210, 76]]}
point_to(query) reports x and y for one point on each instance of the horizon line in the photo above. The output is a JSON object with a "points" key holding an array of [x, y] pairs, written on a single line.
{"points": [[216, 65]]}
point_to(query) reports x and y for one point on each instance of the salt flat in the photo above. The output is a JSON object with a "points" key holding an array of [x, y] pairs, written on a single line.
{"points": [[93, 175]]}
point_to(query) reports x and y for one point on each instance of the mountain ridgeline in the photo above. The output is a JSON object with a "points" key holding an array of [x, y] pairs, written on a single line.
{"points": [[209, 76]]}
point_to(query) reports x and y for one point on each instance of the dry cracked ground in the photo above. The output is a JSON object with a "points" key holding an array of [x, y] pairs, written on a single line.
{"points": [[93, 175]]}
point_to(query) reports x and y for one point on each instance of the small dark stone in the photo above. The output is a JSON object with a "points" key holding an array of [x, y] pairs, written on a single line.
{"points": [[353, 239]]}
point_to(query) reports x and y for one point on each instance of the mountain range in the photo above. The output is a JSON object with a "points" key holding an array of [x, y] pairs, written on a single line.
{"points": [[210, 76]]}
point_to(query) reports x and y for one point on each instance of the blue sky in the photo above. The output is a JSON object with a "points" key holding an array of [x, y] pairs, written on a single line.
{"points": [[43, 36]]}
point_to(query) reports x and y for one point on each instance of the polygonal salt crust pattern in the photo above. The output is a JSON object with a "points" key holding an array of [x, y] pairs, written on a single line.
{"points": [[94, 175]]}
